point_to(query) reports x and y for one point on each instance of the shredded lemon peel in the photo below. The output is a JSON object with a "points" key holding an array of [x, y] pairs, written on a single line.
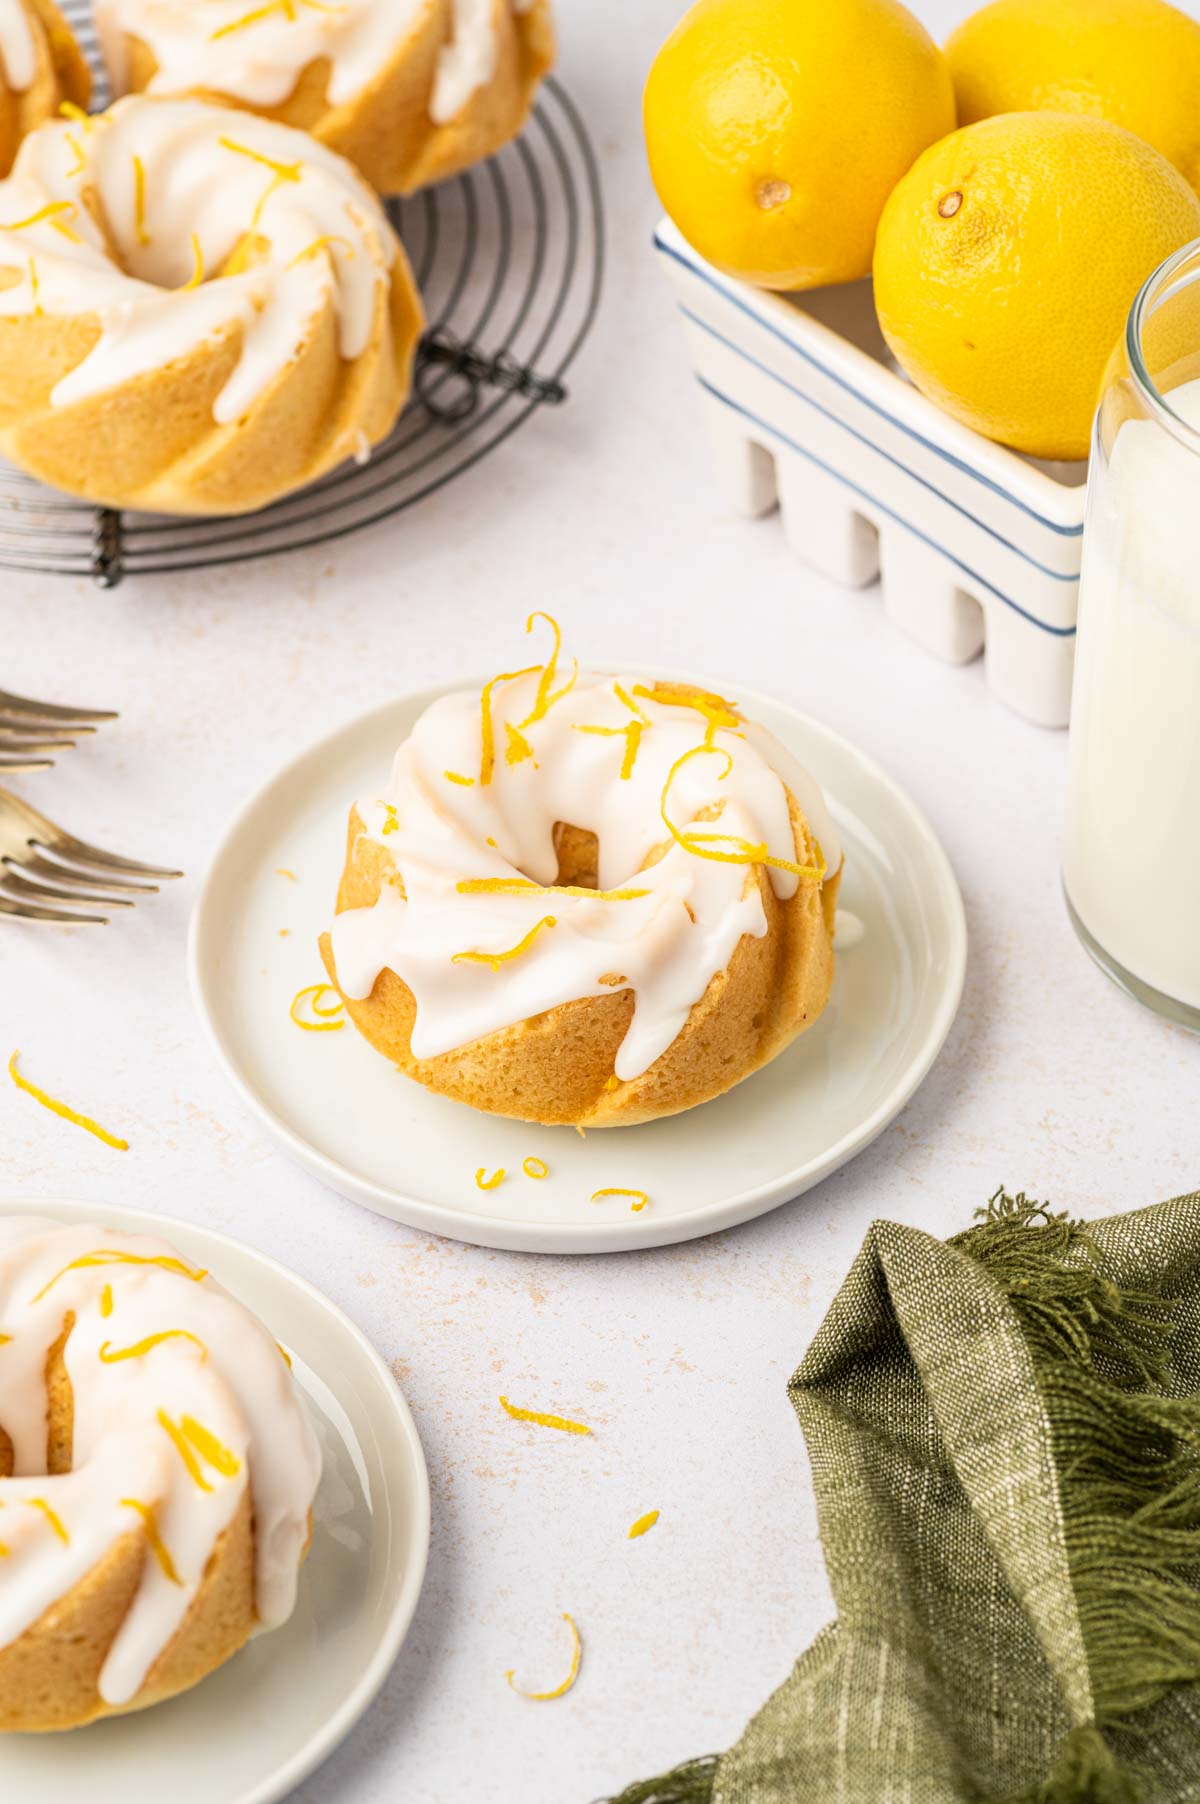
{"points": [[284, 172], [106, 1300], [496, 959], [157, 1544], [318, 245], [487, 754], [521, 886], [142, 1347], [139, 200], [190, 1438], [546, 1697], [454, 776], [717, 712], [494, 1182], [316, 991], [110, 1256], [51, 214], [52, 1517], [516, 748], [643, 1525], [528, 1167], [631, 734], [62, 1110], [259, 13], [598, 1196], [281, 870], [197, 275], [564, 1424], [547, 695], [701, 844]]}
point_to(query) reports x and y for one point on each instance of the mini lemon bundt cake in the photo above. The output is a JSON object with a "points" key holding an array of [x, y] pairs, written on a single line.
{"points": [[412, 91], [41, 68], [200, 310], [157, 1474], [594, 902]]}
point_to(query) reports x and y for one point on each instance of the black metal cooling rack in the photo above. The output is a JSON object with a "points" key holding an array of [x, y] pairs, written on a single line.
{"points": [[509, 259]]}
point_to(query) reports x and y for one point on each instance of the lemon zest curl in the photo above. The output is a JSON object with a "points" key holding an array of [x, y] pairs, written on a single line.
{"points": [[563, 1423], [546, 1697], [496, 959], [598, 1196], [61, 1109], [521, 886], [316, 991], [741, 851]]}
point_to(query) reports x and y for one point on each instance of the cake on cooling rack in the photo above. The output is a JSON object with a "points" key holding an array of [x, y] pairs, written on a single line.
{"points": [[41, 67], [411, 94], [130, 378]]}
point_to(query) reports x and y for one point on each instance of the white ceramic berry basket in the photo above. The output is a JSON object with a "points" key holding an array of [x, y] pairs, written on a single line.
{"points": [[978, 548]]}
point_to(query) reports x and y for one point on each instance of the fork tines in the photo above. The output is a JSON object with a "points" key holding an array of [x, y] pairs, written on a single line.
{"points": [[42, 867], [29, 729]]}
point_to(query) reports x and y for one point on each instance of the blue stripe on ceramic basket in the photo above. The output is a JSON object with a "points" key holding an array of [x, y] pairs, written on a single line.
{"points": [[978, 547]]}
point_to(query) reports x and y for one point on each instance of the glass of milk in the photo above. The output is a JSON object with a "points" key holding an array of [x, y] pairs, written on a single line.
{"points": [[1132, 855]]}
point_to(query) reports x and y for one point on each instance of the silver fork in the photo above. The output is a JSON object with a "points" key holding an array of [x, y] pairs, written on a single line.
{"points": [[29, 729], [33, 892]]}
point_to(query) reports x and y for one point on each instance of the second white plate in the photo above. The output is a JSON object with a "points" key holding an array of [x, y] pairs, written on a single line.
{"points": [[378, 1138], [255, 1728]]}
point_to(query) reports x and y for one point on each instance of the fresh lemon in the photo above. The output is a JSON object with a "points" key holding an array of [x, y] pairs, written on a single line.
{"points": [[778, 128], [1007, 261], [1135, 62]]}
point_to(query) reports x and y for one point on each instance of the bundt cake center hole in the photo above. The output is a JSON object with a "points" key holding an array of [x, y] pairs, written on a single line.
{"points": [[578, 850]]}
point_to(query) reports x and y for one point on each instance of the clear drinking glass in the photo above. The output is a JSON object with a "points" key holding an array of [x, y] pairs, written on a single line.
{"points": [[1131, 864]]}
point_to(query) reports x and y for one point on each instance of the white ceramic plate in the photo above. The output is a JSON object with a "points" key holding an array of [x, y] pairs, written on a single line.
{"points": [[352, 1120], [264, 1720]]}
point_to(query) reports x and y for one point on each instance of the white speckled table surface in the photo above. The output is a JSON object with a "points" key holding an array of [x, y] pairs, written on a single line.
{"points": [[604, 513]]}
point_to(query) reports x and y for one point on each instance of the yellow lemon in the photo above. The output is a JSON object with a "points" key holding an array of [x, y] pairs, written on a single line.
{"points": [[1134, 62], [778, 128], [1006, 264]]}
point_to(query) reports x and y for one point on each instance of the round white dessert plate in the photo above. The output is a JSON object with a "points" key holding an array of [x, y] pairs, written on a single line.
{"points": [[258, 1726], [353, 1121]]}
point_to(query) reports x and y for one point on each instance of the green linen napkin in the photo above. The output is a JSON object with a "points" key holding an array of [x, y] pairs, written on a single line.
{"points": [[1004, 1431]]}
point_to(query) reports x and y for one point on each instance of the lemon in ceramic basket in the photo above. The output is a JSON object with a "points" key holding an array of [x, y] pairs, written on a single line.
{"points": [[776, 129], [1006, 264], [1134, 62]]}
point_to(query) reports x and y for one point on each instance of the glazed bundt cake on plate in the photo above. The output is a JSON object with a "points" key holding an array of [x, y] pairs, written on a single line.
{"points": [[200, 310], [586, 900], [412, 91], [157, 1474], [41, 69]]}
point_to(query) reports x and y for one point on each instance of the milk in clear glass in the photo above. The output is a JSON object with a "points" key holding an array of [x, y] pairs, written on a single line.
{"points": [[1132, 846]]}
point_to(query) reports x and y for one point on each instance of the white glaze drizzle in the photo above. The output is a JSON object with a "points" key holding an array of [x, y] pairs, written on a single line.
{"points": [[255, 51], [239, 1389], [131, 270], [18, 52], [665, 945]]}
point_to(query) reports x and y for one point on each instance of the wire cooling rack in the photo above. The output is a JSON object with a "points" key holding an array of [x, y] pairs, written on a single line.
{"points": [[509, 259]]}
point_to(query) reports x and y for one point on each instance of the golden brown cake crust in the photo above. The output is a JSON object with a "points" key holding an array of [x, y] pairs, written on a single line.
{"points": [[61, 75]]}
